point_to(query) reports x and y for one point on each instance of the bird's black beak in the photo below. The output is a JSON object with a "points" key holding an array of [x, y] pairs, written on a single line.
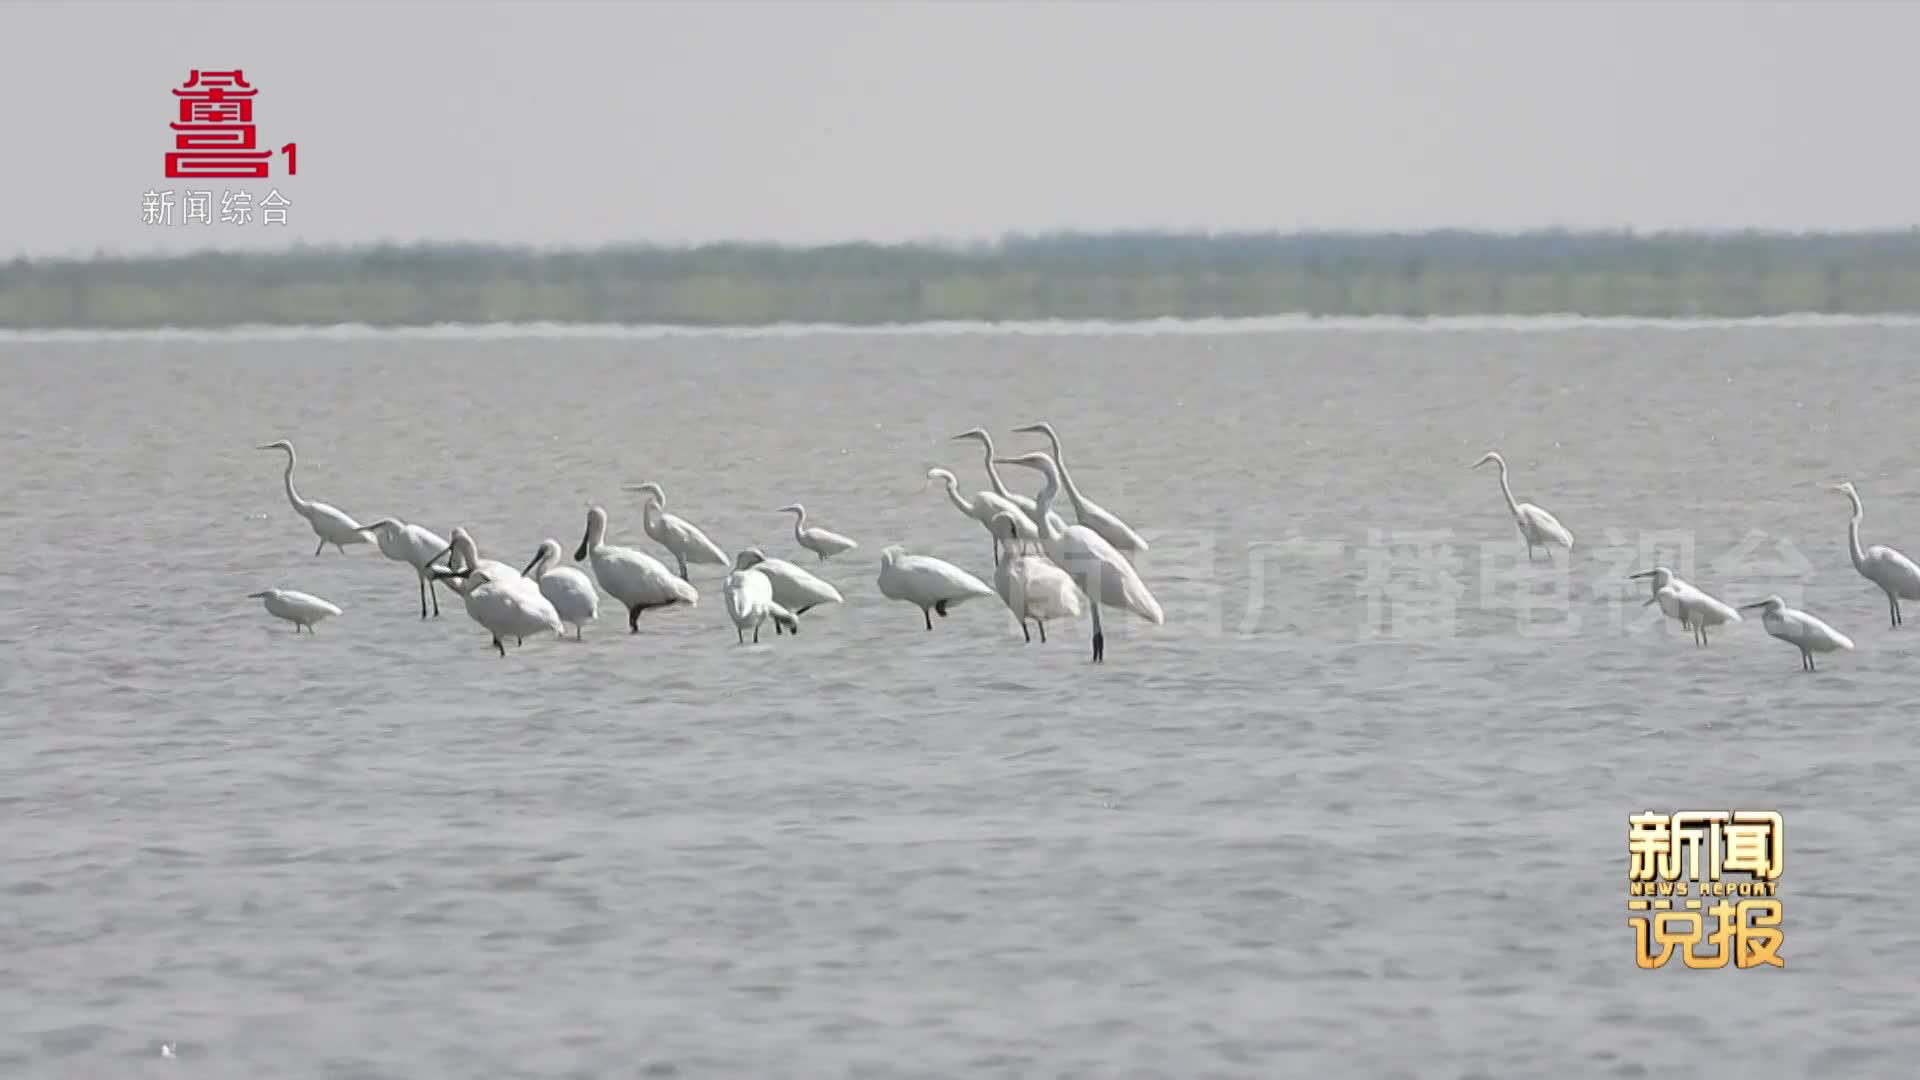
{"points": [[537, 556], [445, 575], [580, 552]]}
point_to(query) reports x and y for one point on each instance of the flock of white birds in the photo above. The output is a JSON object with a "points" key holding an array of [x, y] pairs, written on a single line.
{"points": [[1894, 573], [1044, 568]]}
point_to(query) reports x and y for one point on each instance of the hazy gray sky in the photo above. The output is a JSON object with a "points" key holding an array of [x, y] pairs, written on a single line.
{"points": [[596, 123]]}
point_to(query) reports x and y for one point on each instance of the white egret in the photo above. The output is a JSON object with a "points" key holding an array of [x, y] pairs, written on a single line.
{"points": [[300, 609], [1799, 629], [749, 598], [1681, 600], [1896, 574], [817, 540], [331, 524], [508, 606], [1033, 587], [675, 533], [1085, 510], [1537, 527], [794, 587], [933, 585], [982, 507], [414, 545], [638, 580], [569, 591], [1096, 566], [1021, 502]]}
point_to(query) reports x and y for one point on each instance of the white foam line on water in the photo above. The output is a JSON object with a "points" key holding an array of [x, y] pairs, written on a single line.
{"points": [[1278, 324]]}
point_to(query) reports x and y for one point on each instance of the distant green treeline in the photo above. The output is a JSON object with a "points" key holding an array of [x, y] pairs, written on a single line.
{"points": [[1122, 276]]}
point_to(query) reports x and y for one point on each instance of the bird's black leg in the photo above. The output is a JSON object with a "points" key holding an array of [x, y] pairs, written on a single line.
{"points": [[1042, 624], [1530, 557], [498, 645], [342, 547], [927, 614], [682, 559], [940, 608], [318, 548], [1025, 633], [431, 591], [423, 598], [519, 641], [633, 619], [1099, 639], [756, 635], [576, 632]]}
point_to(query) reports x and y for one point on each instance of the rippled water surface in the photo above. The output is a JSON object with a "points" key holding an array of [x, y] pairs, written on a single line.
{"points": [[1357, 809]]}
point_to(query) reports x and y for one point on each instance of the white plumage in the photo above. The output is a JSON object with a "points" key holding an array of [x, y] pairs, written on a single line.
{"points": [[300, 609], [687, 543], [330, 523], [506, 606], [1089, 513], [1799, 629], [820, 541], [570, 592], [1031, 585], [638, 580], [933, 585], [414, 545], [795, 588], [1692, 606], [749, 600], [1896, 574], [1537, 527]]}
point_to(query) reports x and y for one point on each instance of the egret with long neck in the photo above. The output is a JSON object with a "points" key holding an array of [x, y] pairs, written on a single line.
{"points": [[1537, 527], [1026, 505], [330, 523], [1896, 574], [1087, 512]]}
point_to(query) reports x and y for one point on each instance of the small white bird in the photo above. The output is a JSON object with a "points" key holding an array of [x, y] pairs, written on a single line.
{"points": [[638, 580], [933, 585], [1096, 566], [331, 524], [687, 543], [508, 606], [1108, 524], [817, 540], [1896, 574], [1799, 629], [300, 609], [1681, 600], [417, 547], [572, 595], [794, 587], [1537, 527], [1033, 587], [749, 597]]}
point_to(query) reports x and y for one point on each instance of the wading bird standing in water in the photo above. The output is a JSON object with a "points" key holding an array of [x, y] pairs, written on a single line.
{"points": [[507, 607], [1799, 629], [300, 609], [1096, 566], [638, 580], [570, 592], [1537, 527], [982, 508], [815, 539], [1085, 510], [1896, 574], [749, 597], [330, 523], [1033, 587], [673, 532], [930, 584], [1683, 601], [417, 547]]}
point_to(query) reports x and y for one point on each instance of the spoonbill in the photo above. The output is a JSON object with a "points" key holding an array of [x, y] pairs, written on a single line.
{"points": [[1033, 587], [794, 587], [505, 606], [636, 579], [749, 597], [414, 545], [300, 609], [466, 558], [331, 524], [573, 597], [1085, 510], [1799, 629], [674, 533], [1681, 600], [933, 585], [1896, 574], [1096, 566], [817, 540], [1537, 527], [982, 507], [1021, 502]]}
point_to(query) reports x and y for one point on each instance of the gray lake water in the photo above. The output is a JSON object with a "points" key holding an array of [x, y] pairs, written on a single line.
{"points": [[1362, 815]]}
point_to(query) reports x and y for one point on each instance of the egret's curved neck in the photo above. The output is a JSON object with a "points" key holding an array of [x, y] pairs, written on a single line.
{"points": [[1043, 505], [1507, 489], [954, 496], [799, 519], [1853, 531], [993, 474], [293, 496]]}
